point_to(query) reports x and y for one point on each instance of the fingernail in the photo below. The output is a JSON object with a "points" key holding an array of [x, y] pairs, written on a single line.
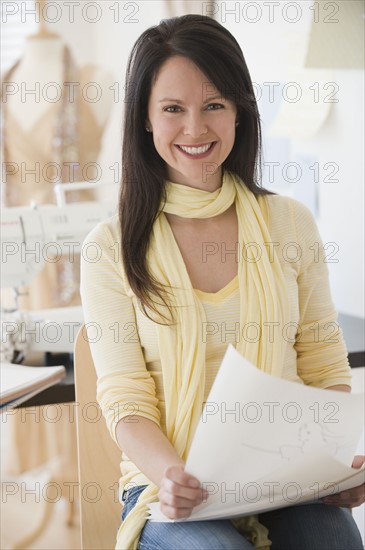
{"points": [[194, 483]]}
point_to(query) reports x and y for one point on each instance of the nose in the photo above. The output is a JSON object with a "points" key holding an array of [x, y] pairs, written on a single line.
{"points": [[195, 125]]}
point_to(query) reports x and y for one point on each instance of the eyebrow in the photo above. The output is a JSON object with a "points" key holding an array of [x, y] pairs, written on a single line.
{"points": [[181, 102]]}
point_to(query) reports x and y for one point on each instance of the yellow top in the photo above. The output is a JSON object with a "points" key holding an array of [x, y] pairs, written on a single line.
{"points": [[124, 343]]}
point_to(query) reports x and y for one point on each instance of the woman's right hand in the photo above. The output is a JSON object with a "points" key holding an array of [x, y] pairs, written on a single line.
{"points": [[179, 492]]}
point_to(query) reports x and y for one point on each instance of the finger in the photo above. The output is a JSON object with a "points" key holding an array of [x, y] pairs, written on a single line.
{"points": [[175, 513], [348, 499], [178, 491], [177, 474], [179, 483], [177, 501], [358, 461], [341, 504]]}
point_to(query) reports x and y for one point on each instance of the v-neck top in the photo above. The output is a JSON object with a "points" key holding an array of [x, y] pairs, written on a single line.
{"points": [[219, 296]]}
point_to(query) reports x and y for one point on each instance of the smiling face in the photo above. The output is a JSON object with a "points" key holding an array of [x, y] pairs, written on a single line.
{"points": [[185, 110]]}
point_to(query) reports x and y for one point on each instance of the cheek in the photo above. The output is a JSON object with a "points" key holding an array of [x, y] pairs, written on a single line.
{"points": [[229, 137], [164, 134], [164, 126], [227, 128], [163, 146]]}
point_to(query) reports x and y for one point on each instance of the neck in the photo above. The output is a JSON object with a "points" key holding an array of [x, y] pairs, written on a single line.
{"points": [[199, 223], [42, 50], [210, 184]]}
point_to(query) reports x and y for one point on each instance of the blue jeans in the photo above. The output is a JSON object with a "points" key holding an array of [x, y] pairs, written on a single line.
{"points": [[306, 527]]}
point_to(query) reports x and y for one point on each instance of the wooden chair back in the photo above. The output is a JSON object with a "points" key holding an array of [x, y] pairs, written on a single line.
{"points": [[98, 458]]}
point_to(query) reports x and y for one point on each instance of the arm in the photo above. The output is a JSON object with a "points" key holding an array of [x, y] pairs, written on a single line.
{"points": [[125, 389], [322, 355], [147, 446], [321, 351], [123, 382], [179, 491]]}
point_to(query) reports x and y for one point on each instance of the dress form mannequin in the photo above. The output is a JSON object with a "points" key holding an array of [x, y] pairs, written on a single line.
{"points": [[43, 63], [38, 131], [51, 136]]}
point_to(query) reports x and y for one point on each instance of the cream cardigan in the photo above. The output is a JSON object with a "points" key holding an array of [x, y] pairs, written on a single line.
{"points": [[125, 351]]}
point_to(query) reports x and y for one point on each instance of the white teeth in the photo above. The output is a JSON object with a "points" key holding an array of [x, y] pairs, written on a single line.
{"points": [[196, 150]]}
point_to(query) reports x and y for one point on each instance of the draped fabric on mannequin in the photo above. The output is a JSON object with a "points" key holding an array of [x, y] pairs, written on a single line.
{"points": [[62, 146], [66, 132]]}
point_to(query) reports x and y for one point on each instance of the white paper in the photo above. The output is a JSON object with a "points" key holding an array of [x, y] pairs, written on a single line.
{"points": [[19, 380], [263, 443]]}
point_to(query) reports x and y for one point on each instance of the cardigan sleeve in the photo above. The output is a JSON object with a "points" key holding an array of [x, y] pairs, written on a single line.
{"points": [[320, 346], [125, 388]]}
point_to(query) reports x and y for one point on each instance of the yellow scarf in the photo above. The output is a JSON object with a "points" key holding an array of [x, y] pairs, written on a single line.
{"points": [[263, 299]]}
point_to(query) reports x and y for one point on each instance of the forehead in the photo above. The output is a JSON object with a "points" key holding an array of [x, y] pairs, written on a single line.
{"points": [[180, 75]]}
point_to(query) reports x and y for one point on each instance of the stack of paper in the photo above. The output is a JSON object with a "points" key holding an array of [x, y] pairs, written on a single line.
{"points": [[20, 382], [264, 443]]}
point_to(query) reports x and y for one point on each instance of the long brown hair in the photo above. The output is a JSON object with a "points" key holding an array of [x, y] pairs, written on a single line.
{"points": [[218, 55]]}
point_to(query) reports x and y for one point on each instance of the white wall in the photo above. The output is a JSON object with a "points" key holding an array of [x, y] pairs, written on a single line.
{"points": [[270, 56], [113, 45], [341, 216]]}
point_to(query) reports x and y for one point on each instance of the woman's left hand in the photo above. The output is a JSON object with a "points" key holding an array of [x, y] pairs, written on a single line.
{"points": [[352, 497]]}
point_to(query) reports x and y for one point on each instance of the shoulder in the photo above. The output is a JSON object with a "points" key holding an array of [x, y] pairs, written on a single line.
{"points": [[292, 225], [280, 204], [288, 216], [105, 233], [101, 253]]}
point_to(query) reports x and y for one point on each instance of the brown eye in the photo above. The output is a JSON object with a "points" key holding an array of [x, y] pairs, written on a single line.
{"points": [[167, 109], [219, 105]]}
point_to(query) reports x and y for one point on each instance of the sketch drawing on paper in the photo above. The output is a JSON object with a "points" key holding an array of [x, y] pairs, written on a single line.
{"points": [[312, 437]]}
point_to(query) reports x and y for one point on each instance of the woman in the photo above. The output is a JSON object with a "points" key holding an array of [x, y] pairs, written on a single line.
{"points": [[190, 205]]}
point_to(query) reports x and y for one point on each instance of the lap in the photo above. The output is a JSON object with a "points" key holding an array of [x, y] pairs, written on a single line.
{"points": [[192, 535], [307, 527], [312, 527]]}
